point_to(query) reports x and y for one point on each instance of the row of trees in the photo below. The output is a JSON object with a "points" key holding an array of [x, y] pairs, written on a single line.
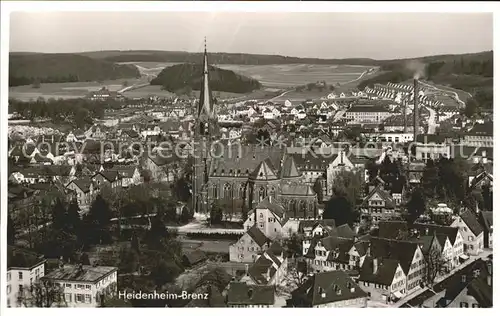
{"points": [[79, 111]]}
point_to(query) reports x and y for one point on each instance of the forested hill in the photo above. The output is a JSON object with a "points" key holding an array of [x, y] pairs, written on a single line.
{"points": [[25, 69], [188, 76], [219, 58]]}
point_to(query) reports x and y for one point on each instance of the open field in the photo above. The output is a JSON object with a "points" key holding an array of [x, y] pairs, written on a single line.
{"points": [[279, 76], [67, 90]]}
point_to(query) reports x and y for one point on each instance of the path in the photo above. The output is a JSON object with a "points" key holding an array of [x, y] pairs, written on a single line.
{"points": [[455, 95], [279, 96]]}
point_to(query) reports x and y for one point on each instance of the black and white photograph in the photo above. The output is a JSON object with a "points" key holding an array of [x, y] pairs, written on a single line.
{"points": [[259, 159]]}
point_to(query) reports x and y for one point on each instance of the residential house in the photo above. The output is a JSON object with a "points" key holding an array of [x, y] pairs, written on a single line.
{"points": [[110, 178], [24, 268], [269, 216], [330, 289], [378, 205], [240, 294], [472, 232], [270, 268], [83, 285], [486, 220], [471, 287], [249, 246], [383, 279], [84, 191], [481, 135]]}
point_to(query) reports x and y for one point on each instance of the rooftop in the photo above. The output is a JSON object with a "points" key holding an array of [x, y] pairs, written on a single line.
{"points": [[85, 274]]}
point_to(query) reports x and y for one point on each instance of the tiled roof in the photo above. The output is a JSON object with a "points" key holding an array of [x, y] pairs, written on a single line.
{"points": [[289, 169], [86, 274], [240, 293], [271, 204], [327, 287], [257, 235], [384, 274], [403, 251], [471, 221]]}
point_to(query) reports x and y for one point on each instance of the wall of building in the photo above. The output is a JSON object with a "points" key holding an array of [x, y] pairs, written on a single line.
{"points": [[28, 276], [245, 250], [86, 294], [353, 303]]}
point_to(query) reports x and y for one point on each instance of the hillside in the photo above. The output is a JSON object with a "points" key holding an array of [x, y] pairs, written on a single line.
{"points": [[25, 69], [472, 73], [188, 76]]}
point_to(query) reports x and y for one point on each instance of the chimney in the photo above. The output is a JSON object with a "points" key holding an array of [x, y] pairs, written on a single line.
{"points": [[415, 109], [375, 265]]}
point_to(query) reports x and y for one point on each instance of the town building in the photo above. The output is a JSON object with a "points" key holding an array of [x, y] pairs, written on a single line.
{"points": [[472, 232], [24, 268], [331, 289], [240, 294], [84, 285]]}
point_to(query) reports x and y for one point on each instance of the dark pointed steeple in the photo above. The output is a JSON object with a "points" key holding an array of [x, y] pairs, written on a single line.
{"points": [[205, 105]]}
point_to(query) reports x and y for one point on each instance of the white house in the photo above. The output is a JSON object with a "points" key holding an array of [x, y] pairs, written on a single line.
{"points": [[85, 286], [22, 273], [269, 216], [471, 231]]}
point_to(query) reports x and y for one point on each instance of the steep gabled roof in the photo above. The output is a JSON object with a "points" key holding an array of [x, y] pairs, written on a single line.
{"points": [[403, 251], [289, 169], [486, 220], [271, 204], [240, 293], [264, 171], [327, 287], [385, 271], [471, 221], [257, 235]]}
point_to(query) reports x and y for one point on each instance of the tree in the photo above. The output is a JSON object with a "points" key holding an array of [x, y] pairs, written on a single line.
{"points": [[372, 168], [11, 231], [99, 218], [487, 196], [297, 274], [435, 264], [58, 215], [215, 214], [340, 209], [186, 215], [135, 243], [129, 260], [347, 184], [430, 178], [416, 205], [293, 246], [73, 220], [471, 107], [164, 272], [84, 259], [42, 293]]}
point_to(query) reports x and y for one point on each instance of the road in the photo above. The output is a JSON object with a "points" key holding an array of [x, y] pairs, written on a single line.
{"points": [[455, 95], [279, 96]]}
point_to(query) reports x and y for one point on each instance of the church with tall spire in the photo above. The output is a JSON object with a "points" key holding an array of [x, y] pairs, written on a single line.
{"points": [[205, 131], [242, 172]]}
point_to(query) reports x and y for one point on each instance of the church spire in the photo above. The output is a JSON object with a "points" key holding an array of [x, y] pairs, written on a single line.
{"points": [[205, 106]]}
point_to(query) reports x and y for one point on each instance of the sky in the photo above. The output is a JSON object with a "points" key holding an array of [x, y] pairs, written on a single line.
{"points": [[321, 35]]}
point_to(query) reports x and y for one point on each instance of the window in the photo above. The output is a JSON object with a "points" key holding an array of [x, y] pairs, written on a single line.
{"points": [[470, 238], [464, 304], [8, 276], [79, 298], [475, 305], [67, 297], [20, 288], [88, 298], [20, 275], [8, 289], [68, 285], [261, 225]]}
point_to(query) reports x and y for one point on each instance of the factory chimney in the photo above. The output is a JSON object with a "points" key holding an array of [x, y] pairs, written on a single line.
{"points": [[415, 109]]}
